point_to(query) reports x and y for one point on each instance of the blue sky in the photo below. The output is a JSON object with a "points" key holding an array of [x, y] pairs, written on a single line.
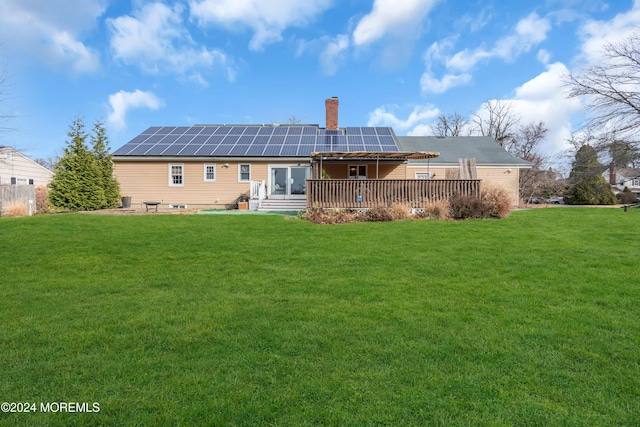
{"points": [[396, 63]]}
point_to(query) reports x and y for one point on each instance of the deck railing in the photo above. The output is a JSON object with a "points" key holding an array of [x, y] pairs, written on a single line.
{"points": [[366, 193]]}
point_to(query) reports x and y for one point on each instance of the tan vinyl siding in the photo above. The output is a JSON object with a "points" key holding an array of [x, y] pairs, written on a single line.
{"points": [[505, 177], [149, 181]]}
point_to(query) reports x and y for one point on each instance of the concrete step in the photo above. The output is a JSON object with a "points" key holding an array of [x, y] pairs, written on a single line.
{"points": [[282, 205]]}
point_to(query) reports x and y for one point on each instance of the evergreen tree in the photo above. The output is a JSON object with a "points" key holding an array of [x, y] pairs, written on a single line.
{"points": [[100, 150], [77, 181], [587, 186]]}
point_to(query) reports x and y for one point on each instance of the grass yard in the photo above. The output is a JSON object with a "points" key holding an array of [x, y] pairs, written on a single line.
{"points": [[258, 320]]}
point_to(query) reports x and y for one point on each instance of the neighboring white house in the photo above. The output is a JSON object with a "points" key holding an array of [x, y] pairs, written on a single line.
{"points": [[624, 177], [18, 169]]}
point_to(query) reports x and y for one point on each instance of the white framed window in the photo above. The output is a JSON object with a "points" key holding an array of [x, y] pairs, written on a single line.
{"points": [[635, 183], [176, 175], [357, 171], [209, 172], [423, 175], [244, 172]]}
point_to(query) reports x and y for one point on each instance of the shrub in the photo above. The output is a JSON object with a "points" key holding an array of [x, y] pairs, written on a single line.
{"points": [[497, 200], [42, 199], [400, 211], [15, 210], [437, 209], [627, 197], [466, 207], [377, 214], [328, 216]]}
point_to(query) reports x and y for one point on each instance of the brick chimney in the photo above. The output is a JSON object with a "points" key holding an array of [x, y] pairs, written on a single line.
{"points": [[612, 175], [332, 113]]}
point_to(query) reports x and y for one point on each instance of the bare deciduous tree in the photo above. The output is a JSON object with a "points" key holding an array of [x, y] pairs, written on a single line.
{"points": [[496, 120], [449, 125], [525, 144], [612, 88]]}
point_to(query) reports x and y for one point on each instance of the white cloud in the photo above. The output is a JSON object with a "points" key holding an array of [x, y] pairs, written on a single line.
{"points": [[431, 84], [51, 31], [595, 34], [333, 53], [396, 17], [267, 19], [529, 32], [544, 56], [155, 40], [419, 116], [543, 98], [123, 101]]}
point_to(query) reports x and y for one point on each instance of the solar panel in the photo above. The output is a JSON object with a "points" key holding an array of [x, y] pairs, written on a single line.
{"points": [[174, 149], [208, 130], [206, 150], [255, 149], [255, 140], [194, 130], [230, 140], [140, 149], [277, 140], [169, 139], [153, 139], [215, 140], [222, 130], [222, 150], [262, 140], [239, 150], [305, 150], [156, 150], [289, 150], [237, 130], [386, 140], [200, 139], [190, 150], [246, 139], [272, 150], [138, 139], [292, 140], [184, 139]]}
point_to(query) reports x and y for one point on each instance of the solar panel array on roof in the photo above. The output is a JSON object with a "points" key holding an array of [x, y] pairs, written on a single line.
{"points": [[256, 141]]}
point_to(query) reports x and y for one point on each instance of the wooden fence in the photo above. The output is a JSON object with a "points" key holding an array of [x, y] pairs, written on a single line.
{"points": [[17, 194], [366, 193]]}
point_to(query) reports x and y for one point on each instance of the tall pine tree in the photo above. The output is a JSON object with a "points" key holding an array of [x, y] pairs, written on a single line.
{"points": [[77, 181], [587, 186], [100, 150]]}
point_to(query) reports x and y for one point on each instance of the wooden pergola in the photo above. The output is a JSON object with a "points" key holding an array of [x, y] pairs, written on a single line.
{"points": [[370, 155]]}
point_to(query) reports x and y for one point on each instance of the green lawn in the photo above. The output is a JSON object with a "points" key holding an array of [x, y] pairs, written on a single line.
{"points": [[260, 320]]}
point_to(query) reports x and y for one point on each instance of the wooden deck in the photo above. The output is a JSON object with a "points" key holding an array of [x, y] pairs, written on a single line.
{"points": [[351, 193]]}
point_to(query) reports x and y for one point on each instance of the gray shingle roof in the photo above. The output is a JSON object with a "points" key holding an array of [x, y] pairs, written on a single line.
{"points": [[485, 150]]}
